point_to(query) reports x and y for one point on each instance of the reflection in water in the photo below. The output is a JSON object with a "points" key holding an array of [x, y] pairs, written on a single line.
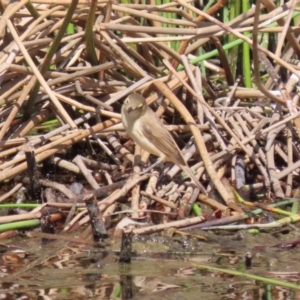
{"points": [[58, 271], [126, 286]]}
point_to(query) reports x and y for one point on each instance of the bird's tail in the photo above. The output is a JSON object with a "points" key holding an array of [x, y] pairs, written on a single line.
{"points": [[189, 172]]}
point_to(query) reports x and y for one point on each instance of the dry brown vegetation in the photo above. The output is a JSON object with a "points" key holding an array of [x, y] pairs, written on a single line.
{"points": [[245, 138]]}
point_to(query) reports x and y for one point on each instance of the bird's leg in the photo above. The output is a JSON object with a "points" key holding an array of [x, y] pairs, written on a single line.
{"points": [[158, 162]]}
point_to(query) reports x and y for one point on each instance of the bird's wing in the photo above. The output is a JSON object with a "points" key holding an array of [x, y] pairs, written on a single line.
{"points": [[163, 140]]}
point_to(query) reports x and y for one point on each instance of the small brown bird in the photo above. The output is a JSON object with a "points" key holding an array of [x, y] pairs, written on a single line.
{"points": [[148, 131]]}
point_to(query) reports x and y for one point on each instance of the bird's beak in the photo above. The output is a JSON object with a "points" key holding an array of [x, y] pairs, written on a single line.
{"points": [[129, 109]]}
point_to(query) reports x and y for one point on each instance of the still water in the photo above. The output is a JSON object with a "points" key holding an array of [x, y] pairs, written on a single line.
{"points": [[161, 268]]}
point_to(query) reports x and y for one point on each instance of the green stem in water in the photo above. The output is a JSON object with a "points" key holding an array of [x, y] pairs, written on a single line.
{"points": [[246, 54], [90, 48]]}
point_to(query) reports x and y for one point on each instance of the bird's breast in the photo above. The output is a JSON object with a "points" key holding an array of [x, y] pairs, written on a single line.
{"points": [[139, 137]]}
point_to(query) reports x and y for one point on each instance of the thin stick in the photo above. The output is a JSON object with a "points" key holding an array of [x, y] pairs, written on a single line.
{"points": [[11, 192]]}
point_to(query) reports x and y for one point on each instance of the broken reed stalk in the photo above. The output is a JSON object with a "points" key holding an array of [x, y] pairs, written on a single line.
{"points": [[126, 246], [98, 226], [35, 188]]}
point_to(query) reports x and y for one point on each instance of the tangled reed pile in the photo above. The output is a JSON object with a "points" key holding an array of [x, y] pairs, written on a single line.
{"points": [[74, 62]]}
